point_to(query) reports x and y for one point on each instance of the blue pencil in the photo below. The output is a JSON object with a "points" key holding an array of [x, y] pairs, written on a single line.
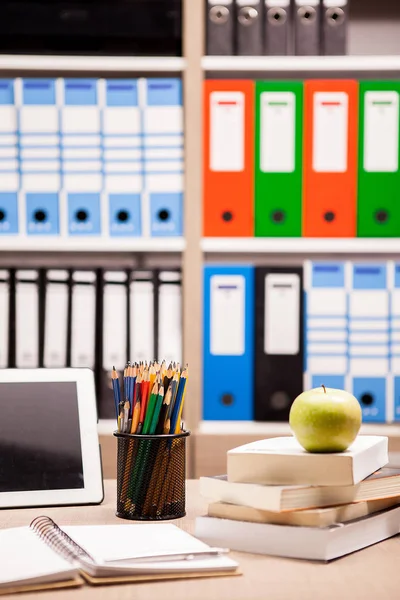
{"points": [[132, 389], [178, 402], [116, 390]]}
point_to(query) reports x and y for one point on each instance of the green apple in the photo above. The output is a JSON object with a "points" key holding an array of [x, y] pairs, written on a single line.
{"points": [[325, 420]]}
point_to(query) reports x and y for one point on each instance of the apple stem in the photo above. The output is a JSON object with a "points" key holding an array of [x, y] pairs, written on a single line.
{"points": [[324, 388]]}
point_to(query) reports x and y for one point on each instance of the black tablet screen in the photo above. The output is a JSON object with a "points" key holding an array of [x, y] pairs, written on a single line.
{"points": [[40, 444]]}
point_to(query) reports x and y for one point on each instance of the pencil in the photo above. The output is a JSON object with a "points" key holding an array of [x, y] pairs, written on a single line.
{"points": [[156, 413], [125, 417], [116, 390], [155, 480], [125, 381], [135, 417], [178, 423], [164, 411], [121, 417], [138, 388], [132, 383], [175, 384], [147, 459], [150, 408], [152, 375], [144, 394], [178, 401], [168, 376], [163, 368]]}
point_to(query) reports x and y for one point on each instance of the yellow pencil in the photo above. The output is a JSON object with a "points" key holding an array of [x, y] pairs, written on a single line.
{"points": [[135, 418], [163, 369], [152, 375]]}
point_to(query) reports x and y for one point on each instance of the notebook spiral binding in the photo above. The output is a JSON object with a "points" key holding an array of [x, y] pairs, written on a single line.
{"points": [[58, 540]]}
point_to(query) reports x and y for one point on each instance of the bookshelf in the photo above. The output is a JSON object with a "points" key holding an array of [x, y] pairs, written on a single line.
{"points": [[374, 51], [302, 246], [91, 244], [279, 64], [83, 64]]}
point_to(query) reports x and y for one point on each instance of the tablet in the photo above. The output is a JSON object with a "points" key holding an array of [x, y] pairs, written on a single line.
{"points": [[49, 447]]}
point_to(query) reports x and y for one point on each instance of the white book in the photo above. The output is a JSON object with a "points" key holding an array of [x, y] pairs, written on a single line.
{"points": [[299, 542], [282, 461], [384, 483]]}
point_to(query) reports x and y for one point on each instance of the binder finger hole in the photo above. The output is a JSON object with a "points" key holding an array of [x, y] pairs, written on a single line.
{"points": [[280, 400], [219, 15], [277, 16], [163, 214], [308, 14], [81, 215], [329, 216], [123, 216], [367, 399], [3, 215], [227, 399], [381, 216], [278, 216], [335, 16], [247, 15], [227, 216], [40, 216]]}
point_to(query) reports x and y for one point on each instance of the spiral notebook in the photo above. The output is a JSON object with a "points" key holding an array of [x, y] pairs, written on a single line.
{"points": [[44, 555]]}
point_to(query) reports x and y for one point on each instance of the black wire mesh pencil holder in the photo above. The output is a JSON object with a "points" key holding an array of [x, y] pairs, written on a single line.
{"points": [[151, 476]]}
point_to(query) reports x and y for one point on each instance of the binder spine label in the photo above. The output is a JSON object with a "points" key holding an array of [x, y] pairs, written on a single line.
{"points": [[56, 325], [83, 326], [277, 3], [277, 152], [141, 335], [395, 327], [369, 310], [227, 322], [114, 328], [330, 136], [334, 3], [327, 323], [282, 313], [381, 131], [170, 323], [27, 330], [227, 131]]}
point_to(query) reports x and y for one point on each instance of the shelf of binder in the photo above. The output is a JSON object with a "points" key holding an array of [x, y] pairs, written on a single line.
{"points": [[301, 245], [324, 64], [104, 64], [100, 244]]}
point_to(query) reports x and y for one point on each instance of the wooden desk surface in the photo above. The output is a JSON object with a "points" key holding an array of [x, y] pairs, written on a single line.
{"points": [[373, 573]]}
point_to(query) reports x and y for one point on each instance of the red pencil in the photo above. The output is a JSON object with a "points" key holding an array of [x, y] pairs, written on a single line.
{"points": [[144, 392]]}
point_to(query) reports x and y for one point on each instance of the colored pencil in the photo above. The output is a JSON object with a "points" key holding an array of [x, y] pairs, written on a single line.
{"points": [[164, 411], [178, 401], [116, 390]]}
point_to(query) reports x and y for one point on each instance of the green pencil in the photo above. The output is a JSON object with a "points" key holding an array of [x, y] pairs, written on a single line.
{"points": [[150, 408], [157, 408]]}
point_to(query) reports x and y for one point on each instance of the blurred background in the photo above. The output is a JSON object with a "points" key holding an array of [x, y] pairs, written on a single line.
{"points": [[211, 182]]}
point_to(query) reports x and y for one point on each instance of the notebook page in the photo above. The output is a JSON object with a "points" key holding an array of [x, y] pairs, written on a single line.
{"points": [[125, 568], [118, 542], [25, 558]]}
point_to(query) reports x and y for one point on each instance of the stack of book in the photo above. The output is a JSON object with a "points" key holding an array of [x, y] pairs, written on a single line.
{"points": [[279, 499]]}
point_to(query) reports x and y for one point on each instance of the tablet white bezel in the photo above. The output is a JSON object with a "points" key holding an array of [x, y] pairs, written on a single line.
{"points": [[92, 492]]}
